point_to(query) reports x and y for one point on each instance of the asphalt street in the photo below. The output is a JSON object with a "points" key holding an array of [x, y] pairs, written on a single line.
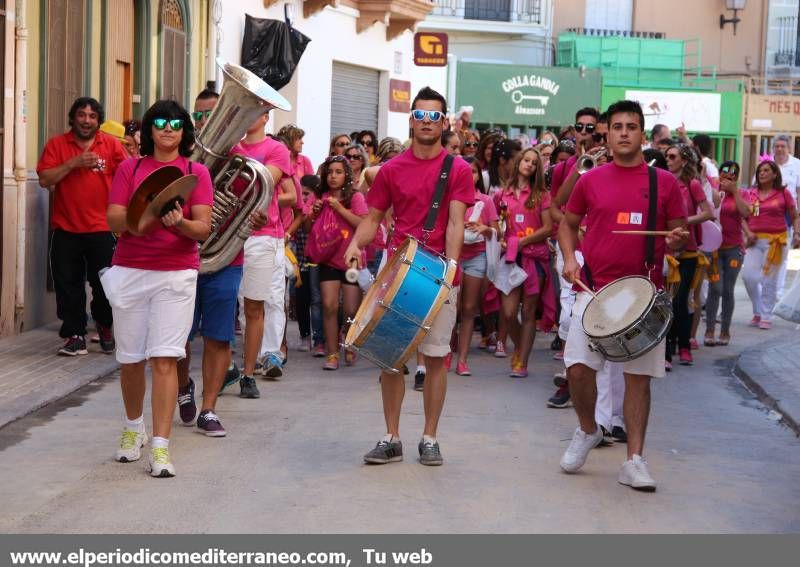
{"points": [[291, 462]]}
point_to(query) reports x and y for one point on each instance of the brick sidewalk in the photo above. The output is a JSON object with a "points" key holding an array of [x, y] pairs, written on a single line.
{"points": [[32, 375]]}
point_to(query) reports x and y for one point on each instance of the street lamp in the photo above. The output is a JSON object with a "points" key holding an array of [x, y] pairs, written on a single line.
{"points": [[734, 5]]}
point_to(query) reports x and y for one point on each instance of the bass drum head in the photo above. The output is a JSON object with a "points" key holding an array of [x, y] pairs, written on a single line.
{"points": [[617, 306]]}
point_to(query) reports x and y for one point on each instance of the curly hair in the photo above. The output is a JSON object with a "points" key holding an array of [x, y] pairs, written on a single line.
{"points": [[388, 146], [170, 110], [289, 134], [92, 103], [691, 164], [347, 189]]}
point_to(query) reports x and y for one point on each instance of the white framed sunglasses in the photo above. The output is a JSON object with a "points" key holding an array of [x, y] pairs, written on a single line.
{"points": [[433, 115]]}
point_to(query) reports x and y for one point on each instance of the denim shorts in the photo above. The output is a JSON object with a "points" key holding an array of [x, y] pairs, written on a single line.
{"points": [[475, 267], [215, 304]]}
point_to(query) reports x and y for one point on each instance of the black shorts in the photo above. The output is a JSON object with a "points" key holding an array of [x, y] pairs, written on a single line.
{"points": [[331, 274]]}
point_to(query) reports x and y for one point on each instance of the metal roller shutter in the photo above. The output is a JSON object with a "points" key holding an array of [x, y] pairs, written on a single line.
{"points": [[354, 100]]}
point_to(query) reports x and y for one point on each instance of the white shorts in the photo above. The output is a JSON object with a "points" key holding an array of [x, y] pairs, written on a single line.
{"points": [[577, 350], [153, 311], [437, 342], [263, 263]]}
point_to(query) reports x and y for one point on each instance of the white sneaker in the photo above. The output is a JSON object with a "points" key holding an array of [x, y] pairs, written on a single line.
{"points": [[130, 446], [160, 464], [575, 455], [634, 473]]}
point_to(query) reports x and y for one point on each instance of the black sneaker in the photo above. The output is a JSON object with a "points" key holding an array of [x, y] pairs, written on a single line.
{"points": [[429, 453], [619, 434], [106, 339], [419, 381], [210, 424], [74, 346], [560, 399], [231, 377], [607, 440], [557, 344], [385, 452], [186, 405], [248, 387]]}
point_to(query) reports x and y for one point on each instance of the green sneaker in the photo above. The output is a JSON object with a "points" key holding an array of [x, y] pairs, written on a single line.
{"points": [[130, 446], [160, 465]]}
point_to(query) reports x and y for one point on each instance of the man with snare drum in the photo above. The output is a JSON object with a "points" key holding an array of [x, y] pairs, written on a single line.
{"points": [[407, 184], [611, 198]]}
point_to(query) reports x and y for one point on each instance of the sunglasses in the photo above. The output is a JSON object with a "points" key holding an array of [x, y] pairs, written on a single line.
{"points": [[341, 144], [729, 169], [589, 127], [433, 115], [471, 144], [354, 156], [367, 143], [174, 123], [197, 115], [672, 156]]}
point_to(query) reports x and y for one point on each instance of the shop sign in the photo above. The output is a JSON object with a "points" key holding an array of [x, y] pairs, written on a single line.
{"points": [[773, 113], [514, 94], [698, 112], [430, 49], [399, 96]]}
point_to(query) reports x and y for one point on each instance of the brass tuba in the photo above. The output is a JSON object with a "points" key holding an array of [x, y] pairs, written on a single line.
{"points": [[244, 98]]}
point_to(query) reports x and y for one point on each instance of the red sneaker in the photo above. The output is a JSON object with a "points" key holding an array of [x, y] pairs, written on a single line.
{"points": [[685, 356], [462, 369]]}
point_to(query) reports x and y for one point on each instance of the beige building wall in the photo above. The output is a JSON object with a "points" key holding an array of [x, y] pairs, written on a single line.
{"points": [[690, 19]]}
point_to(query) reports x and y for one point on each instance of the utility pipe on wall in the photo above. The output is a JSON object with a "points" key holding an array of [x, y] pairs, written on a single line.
{"points": [[20, 165]]}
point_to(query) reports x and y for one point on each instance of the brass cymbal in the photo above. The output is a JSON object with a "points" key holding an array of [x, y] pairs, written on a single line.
{"points": [[148, 203]]}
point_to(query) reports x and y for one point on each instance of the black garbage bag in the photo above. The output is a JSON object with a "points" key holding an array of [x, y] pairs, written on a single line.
{"points": [[272, 49]]}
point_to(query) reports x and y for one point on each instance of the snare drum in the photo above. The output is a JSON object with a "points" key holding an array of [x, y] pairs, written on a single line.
{"points": [[401, 305], [628, 318]]}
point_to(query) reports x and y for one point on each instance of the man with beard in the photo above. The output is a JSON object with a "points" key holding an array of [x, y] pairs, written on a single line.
{"points": [[78, 167]]}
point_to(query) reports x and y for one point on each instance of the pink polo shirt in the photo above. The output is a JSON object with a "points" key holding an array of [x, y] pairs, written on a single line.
{"points": [[164, 248], [772, 210], [522, 221]]}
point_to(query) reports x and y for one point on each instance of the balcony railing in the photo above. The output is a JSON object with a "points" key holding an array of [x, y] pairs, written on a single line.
{"points": [[519, 11], [788, 52], [596, 32]]}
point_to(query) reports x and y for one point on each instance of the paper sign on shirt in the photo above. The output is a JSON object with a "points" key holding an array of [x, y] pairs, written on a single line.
{"points": [[636, 218], [520, 218]]}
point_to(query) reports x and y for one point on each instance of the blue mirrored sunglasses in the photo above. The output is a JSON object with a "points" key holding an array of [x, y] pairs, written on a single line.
{"points": [[433, 115]]}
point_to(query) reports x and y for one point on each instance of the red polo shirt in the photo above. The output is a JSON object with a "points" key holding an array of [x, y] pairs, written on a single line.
{"points": [[81, 197]]}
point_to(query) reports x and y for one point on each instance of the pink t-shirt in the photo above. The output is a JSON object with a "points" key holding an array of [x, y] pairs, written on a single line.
{"points": [[560, 173], [164, 248], [616, 198], [358, 206], [731, 222], [408, 183], [772, 210], [522, 221], [693, 196], [488, 216], [302, 166], [274, 153]]}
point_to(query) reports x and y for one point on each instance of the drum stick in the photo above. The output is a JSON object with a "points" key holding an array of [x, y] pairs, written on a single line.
{"points": [[643, 232], [585, 288], [351, 274]]}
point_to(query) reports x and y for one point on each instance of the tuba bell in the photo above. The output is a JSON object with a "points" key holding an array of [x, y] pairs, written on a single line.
{"points": [[242, 185]]}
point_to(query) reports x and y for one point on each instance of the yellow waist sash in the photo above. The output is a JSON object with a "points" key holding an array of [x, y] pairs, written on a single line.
{"points": [[777, 241]]}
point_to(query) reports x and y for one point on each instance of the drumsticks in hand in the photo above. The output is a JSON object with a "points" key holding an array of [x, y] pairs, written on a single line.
{"points": [[585, 288], [643, 232]]}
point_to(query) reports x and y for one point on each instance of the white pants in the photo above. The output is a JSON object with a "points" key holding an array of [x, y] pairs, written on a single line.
{"points": [[762, 289], [264, 279], [153, 311], [610, 395], [567, 295]]}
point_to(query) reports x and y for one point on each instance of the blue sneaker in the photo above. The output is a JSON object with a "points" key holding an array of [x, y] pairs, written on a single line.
{"points": [[273, 367]]}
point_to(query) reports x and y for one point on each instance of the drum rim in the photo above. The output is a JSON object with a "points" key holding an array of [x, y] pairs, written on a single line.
{"points": [[358, 339], [630, 325], [409, 248]]}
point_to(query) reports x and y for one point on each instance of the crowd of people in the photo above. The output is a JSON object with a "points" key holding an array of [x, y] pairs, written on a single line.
{"points": [[524, 218]]}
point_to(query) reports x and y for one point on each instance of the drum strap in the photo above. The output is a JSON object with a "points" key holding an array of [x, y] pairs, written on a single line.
{"points": [[650, 241], [441, 184]]}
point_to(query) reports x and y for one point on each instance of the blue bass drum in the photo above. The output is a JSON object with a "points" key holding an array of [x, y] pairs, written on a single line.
{"points": [[401, 305]]}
